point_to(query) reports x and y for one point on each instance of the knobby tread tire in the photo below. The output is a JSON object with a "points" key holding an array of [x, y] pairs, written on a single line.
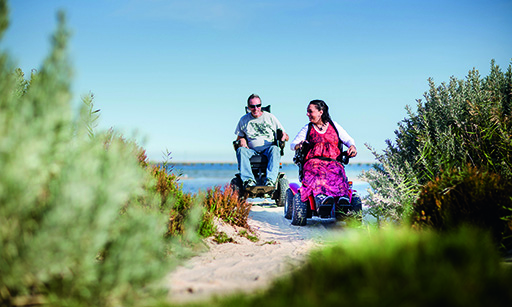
{"points": [[288, 204], [282, 186], [300, 211]]}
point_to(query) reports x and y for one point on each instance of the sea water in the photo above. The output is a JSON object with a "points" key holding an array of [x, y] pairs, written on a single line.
{"points": [[202, 176]]}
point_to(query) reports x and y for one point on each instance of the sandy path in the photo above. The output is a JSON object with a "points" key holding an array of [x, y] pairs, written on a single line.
{"points": [[246, 265]]}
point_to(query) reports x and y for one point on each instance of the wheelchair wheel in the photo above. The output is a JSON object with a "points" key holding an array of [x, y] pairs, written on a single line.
{"points": [[357, 207], [288, 204], [238, 186], [280, 194], [300, 211], [356, 204]]}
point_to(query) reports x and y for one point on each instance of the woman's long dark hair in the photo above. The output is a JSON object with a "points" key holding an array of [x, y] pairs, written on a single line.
{"points": [[322, 106]]}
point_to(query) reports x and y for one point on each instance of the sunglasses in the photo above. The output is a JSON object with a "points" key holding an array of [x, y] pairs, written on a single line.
{"points": [[252, 106]]}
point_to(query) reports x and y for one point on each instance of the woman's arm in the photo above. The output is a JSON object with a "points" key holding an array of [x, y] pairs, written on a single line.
{"points": [[299, 138], [344, 136], [347, 140]]}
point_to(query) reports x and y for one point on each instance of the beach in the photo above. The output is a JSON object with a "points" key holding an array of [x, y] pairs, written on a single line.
{"points": [[245, 266]]}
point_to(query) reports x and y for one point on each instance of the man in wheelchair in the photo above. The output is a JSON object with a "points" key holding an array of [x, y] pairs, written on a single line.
{"points": [[259, 134]]}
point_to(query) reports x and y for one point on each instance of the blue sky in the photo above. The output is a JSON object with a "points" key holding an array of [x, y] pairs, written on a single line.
{"points": [[175, 75]]}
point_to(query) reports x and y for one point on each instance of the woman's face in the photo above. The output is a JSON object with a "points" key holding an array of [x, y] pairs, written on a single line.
{"points": [[314, 115]]}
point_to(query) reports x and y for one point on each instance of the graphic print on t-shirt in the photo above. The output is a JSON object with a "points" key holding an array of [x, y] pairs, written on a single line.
{"points": [[260, 129]]}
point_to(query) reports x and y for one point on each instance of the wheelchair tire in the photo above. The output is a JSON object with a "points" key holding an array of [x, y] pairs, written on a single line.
{"points": [[356, 204], [238, 186], [300, 211], [282, 186], [288, 204]]}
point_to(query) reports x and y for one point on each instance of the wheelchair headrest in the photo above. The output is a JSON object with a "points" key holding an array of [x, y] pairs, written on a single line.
{"points": [[267, 109]]}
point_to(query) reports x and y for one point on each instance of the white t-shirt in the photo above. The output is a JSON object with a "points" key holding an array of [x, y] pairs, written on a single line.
{"points": [[258, 131]]}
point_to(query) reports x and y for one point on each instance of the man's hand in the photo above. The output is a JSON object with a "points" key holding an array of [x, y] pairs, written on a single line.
{"points": [[285, 137], [243, 143], [352, 151]]}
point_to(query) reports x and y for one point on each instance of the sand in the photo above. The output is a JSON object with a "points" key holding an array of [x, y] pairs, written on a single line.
{"points": [[245, 265]]}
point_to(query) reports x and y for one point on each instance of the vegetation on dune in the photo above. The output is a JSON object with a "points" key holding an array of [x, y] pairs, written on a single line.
{"points": [[462, 126], [63, 240]]}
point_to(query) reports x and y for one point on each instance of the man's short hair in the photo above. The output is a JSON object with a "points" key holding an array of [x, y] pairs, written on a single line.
{"points": [[251, 97]]}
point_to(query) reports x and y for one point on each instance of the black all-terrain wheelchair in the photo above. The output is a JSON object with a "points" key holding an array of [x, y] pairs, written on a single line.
{"points": [[259, 163]]}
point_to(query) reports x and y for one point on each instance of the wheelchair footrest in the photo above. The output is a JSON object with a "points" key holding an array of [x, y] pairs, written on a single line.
{"points": [[325, 210], [257, 190]]}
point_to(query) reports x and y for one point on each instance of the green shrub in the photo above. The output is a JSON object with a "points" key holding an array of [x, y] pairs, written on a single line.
{"points": [[461, 122], [467, 196], [394, 267], [62, 238]]}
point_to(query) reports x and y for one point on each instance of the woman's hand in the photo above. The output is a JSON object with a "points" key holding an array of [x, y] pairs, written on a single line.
{"points": [[298, 146], [352, 151], [301, 144]]}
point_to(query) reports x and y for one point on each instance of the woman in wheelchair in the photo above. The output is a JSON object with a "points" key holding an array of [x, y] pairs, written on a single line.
{"points": [[321, 141]]}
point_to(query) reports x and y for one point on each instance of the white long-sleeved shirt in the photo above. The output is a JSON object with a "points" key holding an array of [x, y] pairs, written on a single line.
{"points": [[346, 139]]}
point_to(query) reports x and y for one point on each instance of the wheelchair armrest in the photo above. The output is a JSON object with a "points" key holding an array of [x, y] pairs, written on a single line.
{"points": [[279, 143], [344, 158], [236, 144]]}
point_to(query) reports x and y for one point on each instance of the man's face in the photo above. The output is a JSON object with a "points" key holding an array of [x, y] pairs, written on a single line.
{"points": [[255, 107]]}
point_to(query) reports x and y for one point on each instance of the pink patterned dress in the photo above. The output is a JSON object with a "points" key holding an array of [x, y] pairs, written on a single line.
{"points": [[323, 176]]}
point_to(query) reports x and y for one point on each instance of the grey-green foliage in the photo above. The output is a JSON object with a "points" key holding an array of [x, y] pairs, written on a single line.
{"points": [[88, 115], [462, 122], [62, 237]]}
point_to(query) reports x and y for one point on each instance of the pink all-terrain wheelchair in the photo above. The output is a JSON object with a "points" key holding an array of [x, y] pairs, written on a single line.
{"points": [[338, 207]]}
